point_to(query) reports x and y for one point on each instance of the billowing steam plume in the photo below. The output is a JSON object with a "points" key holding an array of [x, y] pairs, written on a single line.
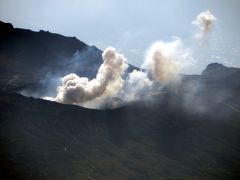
{"points": [[108, 81], [110, 89], [164, 60], [137, 86], [163, 64], [204, 22]]}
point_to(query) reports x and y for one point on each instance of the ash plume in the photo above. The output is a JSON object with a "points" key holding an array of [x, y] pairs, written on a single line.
{"points": [[163, 63], [137, 86], [204, 22], [110, 90], [139, 79], [164, 60], [108, 81], [113, 86]]}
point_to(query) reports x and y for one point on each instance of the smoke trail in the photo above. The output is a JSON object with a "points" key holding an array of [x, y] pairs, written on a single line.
{"points": [[108, 81], [204, 22]]}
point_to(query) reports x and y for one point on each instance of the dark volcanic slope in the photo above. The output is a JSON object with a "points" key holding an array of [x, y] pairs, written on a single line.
{"points": [[26, 57], [47, 140]]}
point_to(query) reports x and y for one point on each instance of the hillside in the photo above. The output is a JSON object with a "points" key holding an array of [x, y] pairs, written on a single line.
{"points": [[47, 140], [27, 57]]}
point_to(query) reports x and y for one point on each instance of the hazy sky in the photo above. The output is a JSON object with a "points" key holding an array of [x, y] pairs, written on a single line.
{"points": [[132, 26]]}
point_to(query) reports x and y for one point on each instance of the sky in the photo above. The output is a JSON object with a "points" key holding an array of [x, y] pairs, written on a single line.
{"points": [[132, 26]]}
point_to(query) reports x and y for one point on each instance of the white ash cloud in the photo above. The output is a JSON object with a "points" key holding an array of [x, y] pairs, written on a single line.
{"points": [[108, 81], [204, 22]]}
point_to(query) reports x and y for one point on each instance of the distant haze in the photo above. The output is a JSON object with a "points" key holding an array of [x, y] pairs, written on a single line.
{"points": [[132, 26]]}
